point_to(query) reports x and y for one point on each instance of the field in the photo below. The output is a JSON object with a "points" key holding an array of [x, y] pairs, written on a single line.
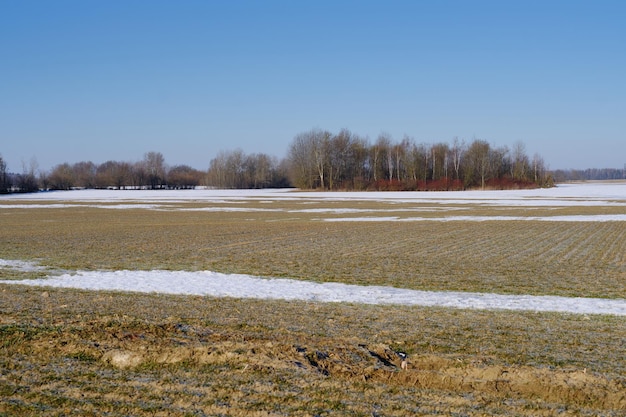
{"points": [[69, 351]]}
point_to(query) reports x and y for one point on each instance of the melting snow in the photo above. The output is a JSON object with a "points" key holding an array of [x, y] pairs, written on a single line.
{"points": [[243, 286]]}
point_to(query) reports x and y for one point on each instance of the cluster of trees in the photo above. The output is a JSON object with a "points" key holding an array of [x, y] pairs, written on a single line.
{"points": [[590, 174], [151, 172], [228, 170], [319, 159], [235, 169], [11, 182]]}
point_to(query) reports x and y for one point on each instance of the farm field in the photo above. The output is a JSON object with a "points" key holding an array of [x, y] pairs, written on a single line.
{"points": [[119, 353]]}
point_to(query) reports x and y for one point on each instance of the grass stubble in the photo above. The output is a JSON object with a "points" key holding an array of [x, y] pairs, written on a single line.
{"points": [[86, 353]]}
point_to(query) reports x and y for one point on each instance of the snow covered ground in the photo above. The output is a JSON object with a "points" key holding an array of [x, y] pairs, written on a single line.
{"points": [[572, 194], [242, 286], [443, 203]]}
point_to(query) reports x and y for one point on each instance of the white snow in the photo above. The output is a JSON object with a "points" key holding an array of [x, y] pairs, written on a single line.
{"points": [[243, 286], [573, 218], [577, 194], [441, 204], [17, 265]]}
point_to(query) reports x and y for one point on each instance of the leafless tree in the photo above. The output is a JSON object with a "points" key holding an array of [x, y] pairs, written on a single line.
{"points": [[439, 160], [84, 174], [61, 177], [477, 162], [519, 163], [382, 158], [455, 153], [117, 175], [235, 169], [301, 166], [309, 158], [5, 183], [183, 177], [155, 168]]}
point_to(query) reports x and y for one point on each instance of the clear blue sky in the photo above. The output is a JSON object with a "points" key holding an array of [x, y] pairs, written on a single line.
{"points": [[111, 80]]}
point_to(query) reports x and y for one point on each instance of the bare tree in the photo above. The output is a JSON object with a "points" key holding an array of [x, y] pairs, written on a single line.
{"points": [[61, 177], [456, 153], [341, 158], [321, 143], [301, 165], [183, 177], [359, 169], [519, 163], [84, 174], [419, 162], [309, 158], [540, 172], [5, 183], [439, 160], [400, 153], [155, 167], [139, 175], [27, 181], [216, 175], [477, 162], [383, 160]]}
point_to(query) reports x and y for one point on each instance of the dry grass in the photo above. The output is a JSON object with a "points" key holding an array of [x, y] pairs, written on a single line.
{"points": [[85, 353], [93, 353]]}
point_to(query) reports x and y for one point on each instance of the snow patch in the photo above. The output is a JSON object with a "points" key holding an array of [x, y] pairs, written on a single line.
{"points": [[207, 283], [573, 218], [579, 194], [21, 266]]}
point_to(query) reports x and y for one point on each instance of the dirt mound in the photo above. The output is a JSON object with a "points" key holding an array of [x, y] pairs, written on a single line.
{"points": [[378, 363]]}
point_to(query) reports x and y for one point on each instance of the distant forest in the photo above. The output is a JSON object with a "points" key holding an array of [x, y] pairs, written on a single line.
{"points": [[590, 174], [319, 160]]}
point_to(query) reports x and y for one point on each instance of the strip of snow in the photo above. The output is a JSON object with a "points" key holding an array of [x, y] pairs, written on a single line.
{"points": [[161, 207], [574, 218], [243, 286], [580, 194], [23, 266]]}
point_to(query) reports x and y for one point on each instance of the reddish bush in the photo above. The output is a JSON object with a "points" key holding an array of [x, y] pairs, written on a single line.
{"points": [[508, 183], [443, 184]]}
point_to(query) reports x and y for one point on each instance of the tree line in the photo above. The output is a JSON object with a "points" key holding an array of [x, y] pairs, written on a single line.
{"points": [[590, 174], [229, 170], [316, 160], [319, 159]]}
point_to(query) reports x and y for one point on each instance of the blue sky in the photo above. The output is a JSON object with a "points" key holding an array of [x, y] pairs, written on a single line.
{"points": [[112, 80]]}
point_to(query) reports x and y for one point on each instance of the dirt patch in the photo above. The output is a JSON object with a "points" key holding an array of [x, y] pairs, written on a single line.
{"points": [[85, 353], [346, 360]]}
